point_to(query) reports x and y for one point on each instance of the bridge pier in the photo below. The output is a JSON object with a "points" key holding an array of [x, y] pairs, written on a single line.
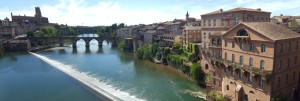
{"points": [[100, 43], [61, 42], [87, 43]]}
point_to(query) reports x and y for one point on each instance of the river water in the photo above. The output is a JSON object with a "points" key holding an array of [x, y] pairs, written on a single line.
{"points": [[24, 77]]}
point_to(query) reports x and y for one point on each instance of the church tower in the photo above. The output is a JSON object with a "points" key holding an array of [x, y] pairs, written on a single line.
{"points": [[38, 12], [187, 17]]}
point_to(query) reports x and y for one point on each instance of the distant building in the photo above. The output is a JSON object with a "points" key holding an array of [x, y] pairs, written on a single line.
{"points": [[191, 34], [38, 19], [169, 39]]}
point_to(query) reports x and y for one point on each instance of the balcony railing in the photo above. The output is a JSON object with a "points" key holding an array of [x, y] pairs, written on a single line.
{"points": [[252, 70]]}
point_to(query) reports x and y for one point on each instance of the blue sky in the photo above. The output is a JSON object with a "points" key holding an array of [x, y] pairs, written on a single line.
{"points": [[107, 12]]}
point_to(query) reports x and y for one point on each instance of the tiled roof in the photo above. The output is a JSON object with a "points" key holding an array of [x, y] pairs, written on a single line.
{"points": [[271, 30], [236, 10]]}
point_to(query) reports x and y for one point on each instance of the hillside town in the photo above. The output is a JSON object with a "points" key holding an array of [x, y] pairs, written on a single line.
{"points": [[245, 54]]}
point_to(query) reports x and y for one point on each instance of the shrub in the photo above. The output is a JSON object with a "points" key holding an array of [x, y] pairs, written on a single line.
{"points": [[197, 73], [217, 96], [122, 45]]}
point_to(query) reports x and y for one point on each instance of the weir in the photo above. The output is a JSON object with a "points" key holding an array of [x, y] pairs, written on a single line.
{"points": [[102, 90]]}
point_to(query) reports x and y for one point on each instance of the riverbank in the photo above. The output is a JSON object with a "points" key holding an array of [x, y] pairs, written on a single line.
{"points": [[102, 90]]}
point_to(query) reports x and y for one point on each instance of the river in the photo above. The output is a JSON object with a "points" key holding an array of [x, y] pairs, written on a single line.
{"points": [[25, 77]]}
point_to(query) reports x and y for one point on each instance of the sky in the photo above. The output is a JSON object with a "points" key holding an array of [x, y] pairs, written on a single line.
{"points": [[131, 12]]}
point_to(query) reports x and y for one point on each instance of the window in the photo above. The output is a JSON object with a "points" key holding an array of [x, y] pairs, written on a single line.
{"points": [[245, 97], [204, 22], [251, 47], [209, 24], [219, 41], [260, 82], [233, 58], [242, 32], [215, 22], [215, 82], [251, 62], [227, 87], [262, 64], [242, 46], [220, 54], [232, 72], [226, 57], [263, 48], [288, 63], [295, 60], [278, 82], [222, 22], [233, 44], [214, 53], [249, 78], [206, 66], [225, 70], [287, 78], [241, 74], [294, 76], [281, 48], [241, 60], [296, 45], [236, 21], [226, 44], [279, 64], [290, 47]]}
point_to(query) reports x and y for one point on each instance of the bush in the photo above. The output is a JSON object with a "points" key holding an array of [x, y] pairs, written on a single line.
{"points": [[122, 45], [197, 73], [140, 53], [144, 52], [217, 96], [176, 46]]}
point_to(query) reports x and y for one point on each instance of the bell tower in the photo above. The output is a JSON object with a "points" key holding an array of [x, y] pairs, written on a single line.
{"points": [[38, 12]]}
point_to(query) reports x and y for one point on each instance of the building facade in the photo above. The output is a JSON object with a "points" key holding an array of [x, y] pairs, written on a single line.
{"points": [[215, 24], [259, 62]]}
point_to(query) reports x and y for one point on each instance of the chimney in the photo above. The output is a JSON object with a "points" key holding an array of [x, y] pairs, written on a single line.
{"points": [[221, 10], [258, 9], [281, 14]]}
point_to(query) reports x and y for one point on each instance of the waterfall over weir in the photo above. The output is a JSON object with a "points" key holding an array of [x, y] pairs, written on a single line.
{"points": [[104, 91]]}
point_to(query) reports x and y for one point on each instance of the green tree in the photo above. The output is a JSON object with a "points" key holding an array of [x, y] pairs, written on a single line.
{"points": [[122, 45], [176, 45], [154, 49], [294, 24], [197, 73], [121, 25], [30, 34], [140, 52]]}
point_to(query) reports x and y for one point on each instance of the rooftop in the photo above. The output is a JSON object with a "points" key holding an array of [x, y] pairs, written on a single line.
{"points": [[236, 10], [271, 30]]}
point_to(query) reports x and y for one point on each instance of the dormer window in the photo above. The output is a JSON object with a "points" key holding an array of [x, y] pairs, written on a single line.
{"points": [[242, 32]]}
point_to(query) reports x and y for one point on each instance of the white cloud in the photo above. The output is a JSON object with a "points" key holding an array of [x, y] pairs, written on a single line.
{"points": [[103, 13]]}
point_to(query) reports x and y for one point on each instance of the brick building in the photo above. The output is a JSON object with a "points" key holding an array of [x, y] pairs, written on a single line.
{"points": [[259, 61]]}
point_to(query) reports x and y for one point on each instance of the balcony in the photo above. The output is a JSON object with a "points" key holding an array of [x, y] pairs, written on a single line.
{"points": [[254, 71]]}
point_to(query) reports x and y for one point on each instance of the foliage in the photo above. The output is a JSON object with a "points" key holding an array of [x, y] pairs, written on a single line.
{"points": [[154, 49], [294, 24], [176, 45], [207, 78], [217, 96], [279, 98], [144, 52], [1, 50], [122, 45], [166, 51], [46, 31], [53, 31], [177, 59], [158, 56], [197, 73], [109, 31]]}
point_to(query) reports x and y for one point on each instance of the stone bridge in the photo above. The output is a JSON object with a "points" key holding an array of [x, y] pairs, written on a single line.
{"points": [[60, 40]]}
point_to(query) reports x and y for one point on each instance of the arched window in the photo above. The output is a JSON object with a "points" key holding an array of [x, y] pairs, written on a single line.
{"points": [[206, 66], [251, 47], [226, 44], [233, 44], [241, 74], [251, 62], [227, 87], [242, 32], [241, 60], [260, 82], [213, 41], [263, 48], [219, 41], [262, 64]]}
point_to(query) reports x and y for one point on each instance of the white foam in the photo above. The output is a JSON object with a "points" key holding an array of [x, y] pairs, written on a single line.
{"points": [[92, 82]]}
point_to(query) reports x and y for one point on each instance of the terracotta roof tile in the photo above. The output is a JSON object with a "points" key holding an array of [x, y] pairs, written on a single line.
{"points": [[235, 10], [271, 30]]}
